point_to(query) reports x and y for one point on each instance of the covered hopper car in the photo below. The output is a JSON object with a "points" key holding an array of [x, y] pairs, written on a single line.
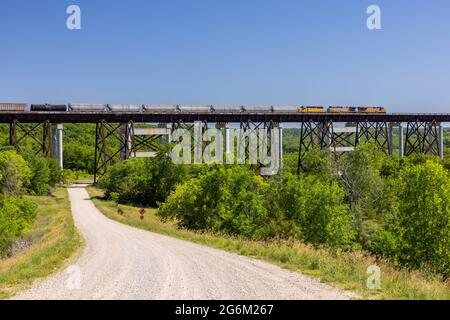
{"points": [[13, 107]]}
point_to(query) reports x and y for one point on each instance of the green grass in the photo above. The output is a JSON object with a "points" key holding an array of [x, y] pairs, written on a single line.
{"points": [[343, 270], [55, 242]]}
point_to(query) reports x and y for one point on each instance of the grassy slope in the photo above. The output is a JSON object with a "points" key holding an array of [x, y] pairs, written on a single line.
{"points": [[55, 240], [344, 270]]}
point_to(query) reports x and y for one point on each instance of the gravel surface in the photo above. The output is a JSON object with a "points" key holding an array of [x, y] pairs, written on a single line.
{"points": [[121, 262]]}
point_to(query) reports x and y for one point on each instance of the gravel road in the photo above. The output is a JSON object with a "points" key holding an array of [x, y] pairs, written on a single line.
{"points": [[121, 262]]}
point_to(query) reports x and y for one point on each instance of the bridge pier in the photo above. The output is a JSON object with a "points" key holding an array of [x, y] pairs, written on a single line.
{"points": [[57, 143], [169, 132], [401, 140], [126, 135], [441, 141], [225, 126], [391, 138], [280, 144], [400, 134]]}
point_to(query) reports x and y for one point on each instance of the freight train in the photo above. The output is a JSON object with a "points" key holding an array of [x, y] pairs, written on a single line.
{"points": [[157, 108]]}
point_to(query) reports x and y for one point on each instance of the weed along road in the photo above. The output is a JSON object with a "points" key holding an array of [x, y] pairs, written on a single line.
{"points": [[121, 262]]}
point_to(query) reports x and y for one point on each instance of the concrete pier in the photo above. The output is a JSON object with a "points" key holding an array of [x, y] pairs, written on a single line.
{"points": [[57, 143]]}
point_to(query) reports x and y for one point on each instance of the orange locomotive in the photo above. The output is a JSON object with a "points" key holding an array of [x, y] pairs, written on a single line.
{"points": [[372, 109], [333, 109], [339, 109]]}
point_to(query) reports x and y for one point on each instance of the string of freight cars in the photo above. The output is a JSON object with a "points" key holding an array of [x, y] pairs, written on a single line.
{"points": [[159, 108]]}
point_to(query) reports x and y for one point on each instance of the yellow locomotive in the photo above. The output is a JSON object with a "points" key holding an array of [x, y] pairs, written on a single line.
{"points": [[311, 109]]}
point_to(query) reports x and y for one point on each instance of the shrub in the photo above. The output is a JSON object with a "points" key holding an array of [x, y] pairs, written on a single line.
{"points": [[45, 173], [143, 181], [419, 237], [14, 173], [236, 201], [16, 216], [185, 205], [56, 173], [319, 210], [79, 157], [227, 200], [40, 174]]}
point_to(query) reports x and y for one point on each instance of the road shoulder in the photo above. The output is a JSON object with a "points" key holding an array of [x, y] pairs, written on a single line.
{"points": [[55, 243]]}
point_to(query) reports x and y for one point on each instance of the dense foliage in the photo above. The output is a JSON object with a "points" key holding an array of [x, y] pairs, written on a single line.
{"points": [[79, 146], [235, 200], [228, 200], [397, 208], [14, 173], [21, 174], [143, 181], [419, 234], [45, 173], [16, 215]]}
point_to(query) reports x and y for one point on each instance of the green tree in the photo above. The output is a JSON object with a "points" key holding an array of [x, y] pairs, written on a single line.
{"points": [[78, 156], [360, 174], [319, 162], [144, 181], [227, 200], [55, 172], [14, 173], [420, 236], [319, 209], [40, 174]]}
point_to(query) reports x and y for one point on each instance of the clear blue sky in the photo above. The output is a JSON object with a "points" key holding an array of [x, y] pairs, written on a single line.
{"points": [[303, 52]]}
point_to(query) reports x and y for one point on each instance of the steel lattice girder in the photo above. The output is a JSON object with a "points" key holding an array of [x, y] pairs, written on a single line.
{"points": [[245, 146], [104, 133], [422, 137], [196, 142], [313, 134], [377, 132], [40, 133]]}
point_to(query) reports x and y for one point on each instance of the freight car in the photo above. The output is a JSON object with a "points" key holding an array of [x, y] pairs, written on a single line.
{"points": [[188, 108], [48, 107], [88, 108], [13, 107], [160, 108], [125, 107], [227, 108]]}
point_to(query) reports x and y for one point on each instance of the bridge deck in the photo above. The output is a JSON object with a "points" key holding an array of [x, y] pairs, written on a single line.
{"points": [[139, 117]]}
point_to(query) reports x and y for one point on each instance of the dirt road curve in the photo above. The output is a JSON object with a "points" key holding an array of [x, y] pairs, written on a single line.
{"points": [[121, 262]]}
